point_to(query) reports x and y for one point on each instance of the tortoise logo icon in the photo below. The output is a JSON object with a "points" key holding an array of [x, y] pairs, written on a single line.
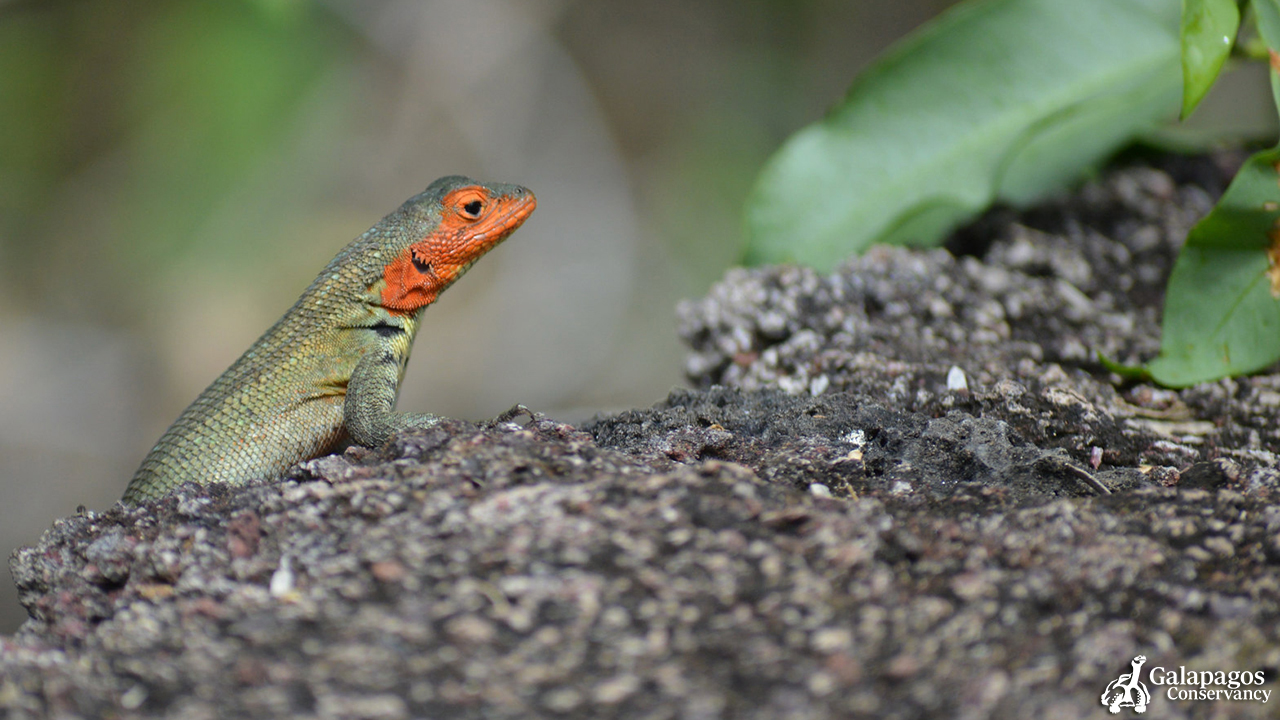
{"points": [[1127, 690]]}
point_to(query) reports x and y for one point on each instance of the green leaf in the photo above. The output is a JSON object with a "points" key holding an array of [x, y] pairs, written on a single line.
{"points": [[1268, 12], [996, 99], [1208, 31], [1221, 313], [1129, 372]]}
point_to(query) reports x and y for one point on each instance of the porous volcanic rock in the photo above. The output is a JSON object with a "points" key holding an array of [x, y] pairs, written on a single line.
{"points": [[906, 489]]}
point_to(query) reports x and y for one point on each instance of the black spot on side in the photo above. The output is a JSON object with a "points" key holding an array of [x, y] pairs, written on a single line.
{"points": [[388, 358], [386, 330]]}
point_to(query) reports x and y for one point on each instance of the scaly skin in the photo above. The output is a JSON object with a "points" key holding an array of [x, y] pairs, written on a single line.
{"points": [[330, 369]]}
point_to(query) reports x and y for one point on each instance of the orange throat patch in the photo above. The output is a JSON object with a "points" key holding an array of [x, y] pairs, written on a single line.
{"points": [[473, 221]]}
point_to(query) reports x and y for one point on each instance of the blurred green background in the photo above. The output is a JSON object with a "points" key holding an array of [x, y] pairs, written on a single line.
{"points": [[173, 174]]}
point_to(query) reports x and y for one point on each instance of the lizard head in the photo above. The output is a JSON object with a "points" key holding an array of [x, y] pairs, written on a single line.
{"points": [[464, 220]]}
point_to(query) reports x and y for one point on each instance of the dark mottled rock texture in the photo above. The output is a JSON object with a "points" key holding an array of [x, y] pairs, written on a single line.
{"points": [[903, 490]]}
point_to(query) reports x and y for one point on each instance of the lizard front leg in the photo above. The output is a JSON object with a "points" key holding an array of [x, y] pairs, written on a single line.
{"points": [[371, 394]]}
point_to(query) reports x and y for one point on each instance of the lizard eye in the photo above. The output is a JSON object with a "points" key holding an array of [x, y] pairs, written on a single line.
{"points": [[421, 265], [472, 209]]}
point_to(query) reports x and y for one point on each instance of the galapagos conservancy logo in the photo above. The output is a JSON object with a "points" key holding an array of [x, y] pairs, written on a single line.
{"points": [[1129, 691]]}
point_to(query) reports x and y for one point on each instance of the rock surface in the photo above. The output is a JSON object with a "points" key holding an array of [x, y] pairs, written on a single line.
{"points": [[911, 493]]}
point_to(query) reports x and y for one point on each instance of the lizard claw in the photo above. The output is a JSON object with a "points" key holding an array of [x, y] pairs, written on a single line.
{"points": [[516, 411]]}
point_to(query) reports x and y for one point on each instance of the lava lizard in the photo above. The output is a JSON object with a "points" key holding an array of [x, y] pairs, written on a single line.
{"points": [[329, 370]]}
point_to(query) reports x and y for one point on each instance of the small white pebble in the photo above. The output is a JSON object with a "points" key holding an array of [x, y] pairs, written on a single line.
{"points": [[956, 379], [831, 640], [819, 490], [615, 690], [562, 700], [792, 385], [819, 385], [855, 437], [282, 578], [133, 698], [821, 683]]}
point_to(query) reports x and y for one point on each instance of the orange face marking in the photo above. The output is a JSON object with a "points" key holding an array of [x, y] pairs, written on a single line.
{"points": [[472, 221]]}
